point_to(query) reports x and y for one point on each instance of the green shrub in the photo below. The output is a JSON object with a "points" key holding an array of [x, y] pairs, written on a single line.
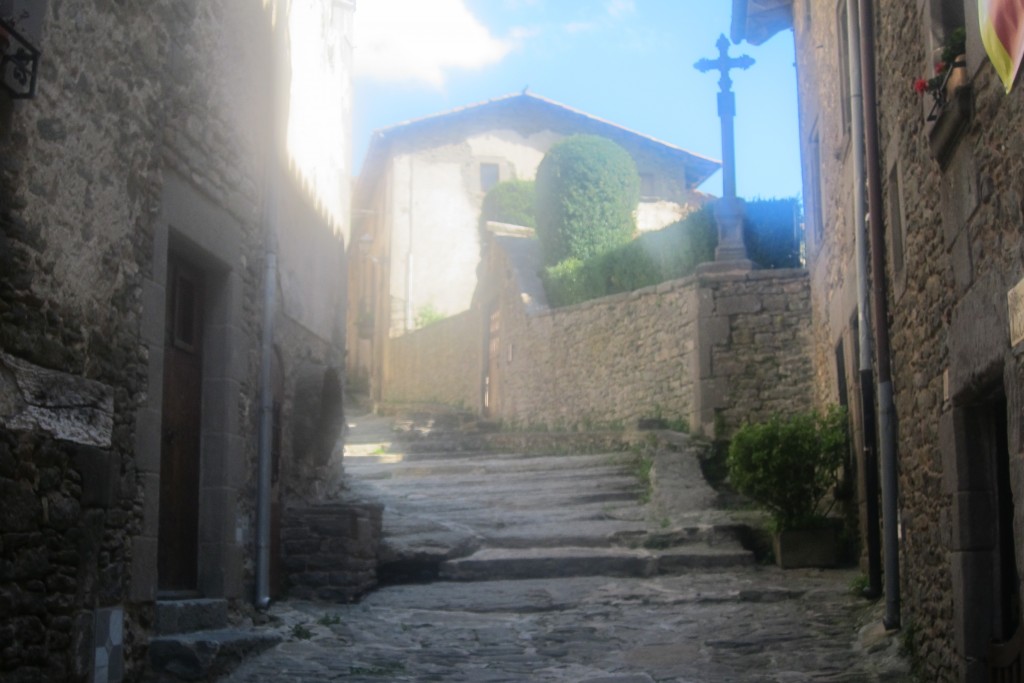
{"points": [[510, 201], [790, 465], [772, 234], [654, 257], [587, 190], [428, 315]]}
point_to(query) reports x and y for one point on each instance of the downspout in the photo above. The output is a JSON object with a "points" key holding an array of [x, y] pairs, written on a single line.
{"points": [[266, 403], [867, 383], [886, 411], [408, 258]]}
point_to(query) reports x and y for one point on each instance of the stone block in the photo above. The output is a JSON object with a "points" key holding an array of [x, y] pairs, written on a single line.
{"points": [[21, 509], [973, 515], [798, 548], [100, 470], [148, 442], [733, 305], [154, 298], [973, 580]]}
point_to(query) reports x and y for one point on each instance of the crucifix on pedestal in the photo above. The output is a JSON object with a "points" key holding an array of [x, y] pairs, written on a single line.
{"points": [[728, 209]]}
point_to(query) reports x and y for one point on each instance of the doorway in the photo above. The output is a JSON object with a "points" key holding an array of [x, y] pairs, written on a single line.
{"points": [[178, 534]]}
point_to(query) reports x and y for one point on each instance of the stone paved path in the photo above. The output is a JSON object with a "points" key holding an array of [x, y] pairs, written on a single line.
{"points": [[738, 622]]}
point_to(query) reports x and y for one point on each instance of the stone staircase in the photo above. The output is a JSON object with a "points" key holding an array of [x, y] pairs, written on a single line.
{"points": [[195, 641], [463, 504]]}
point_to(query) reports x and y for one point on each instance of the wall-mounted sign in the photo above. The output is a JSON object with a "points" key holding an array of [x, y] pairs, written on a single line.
{"points": [[21, 23]]}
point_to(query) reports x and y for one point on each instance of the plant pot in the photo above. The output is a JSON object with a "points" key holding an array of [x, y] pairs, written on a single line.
{"points": [[957, 76], [817, 547]]}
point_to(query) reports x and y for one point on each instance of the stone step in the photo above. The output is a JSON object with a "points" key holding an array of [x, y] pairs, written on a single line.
{"points": [[441, 461], [566, 562], [202, 655], [196, 614], [485, 471]]}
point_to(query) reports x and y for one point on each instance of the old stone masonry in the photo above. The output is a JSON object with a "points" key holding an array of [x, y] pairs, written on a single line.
{"points": [[545, 557]]}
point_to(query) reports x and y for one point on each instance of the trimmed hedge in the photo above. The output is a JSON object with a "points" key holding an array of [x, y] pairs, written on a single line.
{"points": [[670, 253], [771, 232], [510, 201], [587, 190], [675, 252]]}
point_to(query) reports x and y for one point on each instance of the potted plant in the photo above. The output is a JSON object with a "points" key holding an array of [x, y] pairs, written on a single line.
{"points": [[790, 465], [950, 72]]}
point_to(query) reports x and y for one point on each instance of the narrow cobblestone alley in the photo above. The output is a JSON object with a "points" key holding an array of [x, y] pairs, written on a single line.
{"points": [[556, 568]]}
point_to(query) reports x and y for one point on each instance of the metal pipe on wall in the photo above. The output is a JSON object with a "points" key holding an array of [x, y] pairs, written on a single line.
{"points": [[886, 411], [266, 430], [866, 375]]}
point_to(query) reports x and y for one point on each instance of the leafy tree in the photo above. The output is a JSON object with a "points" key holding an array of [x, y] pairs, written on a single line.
{"points": [[510, 201], [586, 193]]}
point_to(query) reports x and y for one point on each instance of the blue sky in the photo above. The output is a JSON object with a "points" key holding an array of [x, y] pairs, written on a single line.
{"points": [[627, 61]]}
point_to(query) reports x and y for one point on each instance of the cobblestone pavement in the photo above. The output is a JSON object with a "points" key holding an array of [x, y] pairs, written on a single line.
{"points": [[757, 624], [730, 624]]}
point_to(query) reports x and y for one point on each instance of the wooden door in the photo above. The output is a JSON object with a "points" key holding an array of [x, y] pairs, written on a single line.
{"points": [[179, 457]]}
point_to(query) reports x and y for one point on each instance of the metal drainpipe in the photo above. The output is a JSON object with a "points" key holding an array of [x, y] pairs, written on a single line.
{"points": [[266, 407], [886, 411], [867, 383]]}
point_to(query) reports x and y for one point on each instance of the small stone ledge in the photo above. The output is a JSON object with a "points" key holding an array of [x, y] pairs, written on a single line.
{"points": [[331, 551]]}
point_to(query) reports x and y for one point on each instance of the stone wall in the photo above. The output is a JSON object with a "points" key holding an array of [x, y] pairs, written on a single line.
{"points": [[606, 362], [439, 363], [952, 211], [754, 342], [331, 550], [155, 139], [708, 351]]}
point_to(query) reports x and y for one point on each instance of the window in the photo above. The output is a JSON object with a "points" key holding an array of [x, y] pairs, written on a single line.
{"points": [[490, 174], [844, 66]]}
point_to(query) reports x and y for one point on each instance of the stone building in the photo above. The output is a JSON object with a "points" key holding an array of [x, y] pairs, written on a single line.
{"points": [[171, 287], [948, 207], [417, 206]]}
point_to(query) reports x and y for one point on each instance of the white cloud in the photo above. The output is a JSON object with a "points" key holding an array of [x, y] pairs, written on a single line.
{"points": [[581, 26], [617, 8], [413, 40]]}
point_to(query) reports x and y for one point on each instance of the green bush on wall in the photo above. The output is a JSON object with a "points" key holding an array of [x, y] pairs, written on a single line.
{"points": [[790, 465], [670, 253], [510, 201], [587, 191], [770, 231]]}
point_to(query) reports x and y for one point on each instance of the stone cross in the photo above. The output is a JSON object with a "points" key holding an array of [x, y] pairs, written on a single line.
{"points": [[726, 107], [729, 210]]}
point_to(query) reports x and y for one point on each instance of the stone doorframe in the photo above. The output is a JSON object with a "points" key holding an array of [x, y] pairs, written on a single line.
{"points": [[192, 225], [969, 449]]}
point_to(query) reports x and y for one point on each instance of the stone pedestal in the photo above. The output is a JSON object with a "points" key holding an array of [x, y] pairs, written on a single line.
{"points": [[729, 214]]}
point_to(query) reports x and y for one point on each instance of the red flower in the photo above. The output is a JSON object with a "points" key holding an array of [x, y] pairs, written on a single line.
{"points": [[920, 86], [940, 67]]}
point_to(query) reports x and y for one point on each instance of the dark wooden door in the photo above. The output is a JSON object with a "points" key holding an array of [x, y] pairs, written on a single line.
{"points": [[179, 458]]}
